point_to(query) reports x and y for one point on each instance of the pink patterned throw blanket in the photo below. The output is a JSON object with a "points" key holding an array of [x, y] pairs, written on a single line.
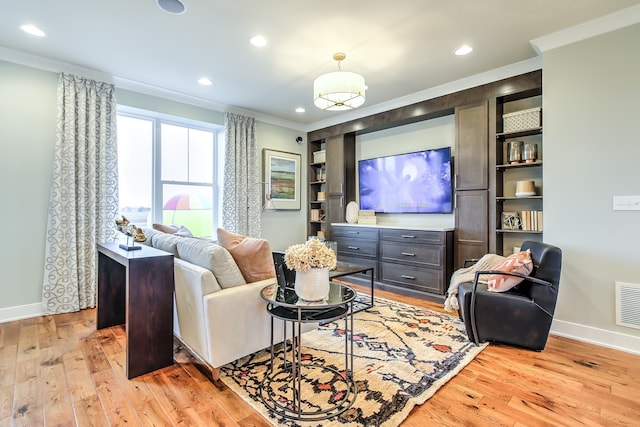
{"points": [[487, 262]]}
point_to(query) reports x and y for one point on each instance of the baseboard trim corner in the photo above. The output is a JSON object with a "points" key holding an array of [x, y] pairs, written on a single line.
{"points": [[19, 312], [597, 336]]}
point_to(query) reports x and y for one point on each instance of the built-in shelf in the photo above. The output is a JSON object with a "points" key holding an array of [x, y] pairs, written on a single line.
{"points": [[499, 230], [317, 182], [500, 199], [519, 134], [519, 165]]}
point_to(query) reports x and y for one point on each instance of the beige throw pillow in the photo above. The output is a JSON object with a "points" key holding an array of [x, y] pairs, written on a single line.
{"points": [[253, 256]]}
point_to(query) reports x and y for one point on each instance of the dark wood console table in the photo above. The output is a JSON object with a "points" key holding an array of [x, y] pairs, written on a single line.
{"points": [[135, 288]]}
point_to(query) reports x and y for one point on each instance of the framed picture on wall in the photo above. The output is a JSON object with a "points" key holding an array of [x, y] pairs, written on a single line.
{"points": [[282, 178]]}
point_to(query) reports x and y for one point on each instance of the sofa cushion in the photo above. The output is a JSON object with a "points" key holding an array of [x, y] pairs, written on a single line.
{"points": [[212, 257], [166, 242], [517, 263], [253, 256], [178, 230]]}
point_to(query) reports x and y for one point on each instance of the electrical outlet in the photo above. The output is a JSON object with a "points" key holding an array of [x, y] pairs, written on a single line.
{"points": [[626, 203]]}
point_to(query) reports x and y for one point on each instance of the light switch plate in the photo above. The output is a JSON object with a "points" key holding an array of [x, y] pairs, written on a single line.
{"points": [[626, 203]]}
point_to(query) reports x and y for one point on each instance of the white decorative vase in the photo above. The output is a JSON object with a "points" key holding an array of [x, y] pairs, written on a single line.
{"points": [[312, 284], [352, 213]]}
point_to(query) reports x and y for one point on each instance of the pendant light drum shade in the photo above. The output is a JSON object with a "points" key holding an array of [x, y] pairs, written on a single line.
{"points": [[340, 90]]}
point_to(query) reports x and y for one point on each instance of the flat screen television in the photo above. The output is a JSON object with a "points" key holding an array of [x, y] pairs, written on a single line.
{"points": [[417, 182]]}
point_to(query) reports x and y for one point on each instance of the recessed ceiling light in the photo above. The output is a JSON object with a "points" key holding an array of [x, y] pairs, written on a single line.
{"points": [[32, 29], [204, 81], [463, 50], [172, 6], [300, 110], [259, 41]]}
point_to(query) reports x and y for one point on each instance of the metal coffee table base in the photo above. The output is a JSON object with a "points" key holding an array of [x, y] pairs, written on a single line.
{"points": [[293, 382]]}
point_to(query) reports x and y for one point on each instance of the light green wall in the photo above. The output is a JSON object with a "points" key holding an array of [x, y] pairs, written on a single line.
{"points": [[592, 152], [284, 228], [27, 135]]}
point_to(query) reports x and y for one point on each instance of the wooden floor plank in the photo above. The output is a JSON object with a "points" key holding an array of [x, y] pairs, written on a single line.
{"points": [[58, 410]]}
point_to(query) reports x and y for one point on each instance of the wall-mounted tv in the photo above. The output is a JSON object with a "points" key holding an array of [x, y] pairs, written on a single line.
{"points": [[417, 182]]}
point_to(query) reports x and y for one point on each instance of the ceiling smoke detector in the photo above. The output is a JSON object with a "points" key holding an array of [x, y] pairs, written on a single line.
{"points": [[172, 6]]}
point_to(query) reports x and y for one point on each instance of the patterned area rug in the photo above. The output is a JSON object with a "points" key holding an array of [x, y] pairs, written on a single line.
{"points": [[402, 356]]}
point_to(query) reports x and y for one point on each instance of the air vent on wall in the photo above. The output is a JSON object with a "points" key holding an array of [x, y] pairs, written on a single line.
{"points": [[628, 305]]}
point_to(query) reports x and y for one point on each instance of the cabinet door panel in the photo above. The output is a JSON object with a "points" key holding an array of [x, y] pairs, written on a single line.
{"points": [[335, 166], [416, 278], [472, 226], [472, 147], [415, 254]]}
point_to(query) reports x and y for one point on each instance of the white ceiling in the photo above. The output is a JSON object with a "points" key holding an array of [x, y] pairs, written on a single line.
{"points": [[401, 48]]}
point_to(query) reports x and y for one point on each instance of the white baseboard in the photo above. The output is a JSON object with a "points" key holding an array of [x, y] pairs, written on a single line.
{"points": [[601, 337], [20, 312]]}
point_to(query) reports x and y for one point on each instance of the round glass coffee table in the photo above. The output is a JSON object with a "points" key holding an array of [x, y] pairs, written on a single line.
{"points": [[285, 387]]}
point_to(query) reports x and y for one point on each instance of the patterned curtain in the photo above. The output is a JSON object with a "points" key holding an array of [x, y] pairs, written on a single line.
{"points": [[241, 199], [83, 204]]}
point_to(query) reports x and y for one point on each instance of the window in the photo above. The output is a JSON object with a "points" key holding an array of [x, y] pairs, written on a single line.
{"points": [[168, 170]]}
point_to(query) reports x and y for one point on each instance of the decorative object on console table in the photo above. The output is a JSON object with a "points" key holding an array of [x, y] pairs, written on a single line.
{"points": [[130, 230], [282, 175], [311, 260]]}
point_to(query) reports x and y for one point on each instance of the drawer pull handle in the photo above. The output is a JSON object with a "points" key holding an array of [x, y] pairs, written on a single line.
{"points": [[408, 236], [353, 247], [353, 232], [407, 254], [408, 277]]}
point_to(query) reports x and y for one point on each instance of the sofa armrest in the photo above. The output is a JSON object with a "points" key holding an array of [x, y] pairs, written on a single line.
{"points": [[238, 323]]}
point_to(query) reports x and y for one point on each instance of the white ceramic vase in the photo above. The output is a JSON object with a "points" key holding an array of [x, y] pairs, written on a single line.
{"points": [[312, 284]]}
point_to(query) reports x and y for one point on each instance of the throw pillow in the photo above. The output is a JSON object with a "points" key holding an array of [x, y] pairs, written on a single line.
{"points": [[517, 263], [178, 230], [212, 257], [253, 256]]}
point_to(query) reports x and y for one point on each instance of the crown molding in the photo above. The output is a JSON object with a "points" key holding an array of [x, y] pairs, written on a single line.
{"points": [[614, 21]]}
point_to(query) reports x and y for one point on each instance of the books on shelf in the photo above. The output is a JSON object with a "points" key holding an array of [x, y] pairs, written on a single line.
{"points": [[316, 215], [522, 220], [367, 220], [367, 217]]}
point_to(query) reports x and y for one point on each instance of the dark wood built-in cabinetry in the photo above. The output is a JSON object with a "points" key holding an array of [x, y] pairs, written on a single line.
{"points": [[507, 174], [334, 178], [471, 181], [484, 183], [408, 261]]}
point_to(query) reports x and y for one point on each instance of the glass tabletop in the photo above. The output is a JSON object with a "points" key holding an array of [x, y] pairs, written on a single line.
{"points": [[345, 268], [339, 294]]}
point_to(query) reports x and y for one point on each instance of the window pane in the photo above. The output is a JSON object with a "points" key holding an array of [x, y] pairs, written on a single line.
{"points": [[200, 156], [175, 152], [135, 166], [188, 205]]}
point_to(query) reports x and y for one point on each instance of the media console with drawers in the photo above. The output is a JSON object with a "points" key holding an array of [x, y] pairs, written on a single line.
{"points": [[411, 261]]}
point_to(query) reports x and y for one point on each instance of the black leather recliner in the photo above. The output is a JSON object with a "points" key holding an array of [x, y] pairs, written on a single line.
{"points": [[521, 316]]}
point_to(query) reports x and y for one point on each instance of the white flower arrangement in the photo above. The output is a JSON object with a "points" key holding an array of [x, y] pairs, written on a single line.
{"points": [[311, 254]]}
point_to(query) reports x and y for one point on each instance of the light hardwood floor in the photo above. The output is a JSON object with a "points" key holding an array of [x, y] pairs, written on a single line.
{"points": [[60, 371]]}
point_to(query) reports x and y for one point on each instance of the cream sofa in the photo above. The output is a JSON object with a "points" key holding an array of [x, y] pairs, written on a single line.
{"points": [[217, 314]]}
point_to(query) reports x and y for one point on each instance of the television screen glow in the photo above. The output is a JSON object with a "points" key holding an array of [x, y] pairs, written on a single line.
{"points": [[417, 182]]}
